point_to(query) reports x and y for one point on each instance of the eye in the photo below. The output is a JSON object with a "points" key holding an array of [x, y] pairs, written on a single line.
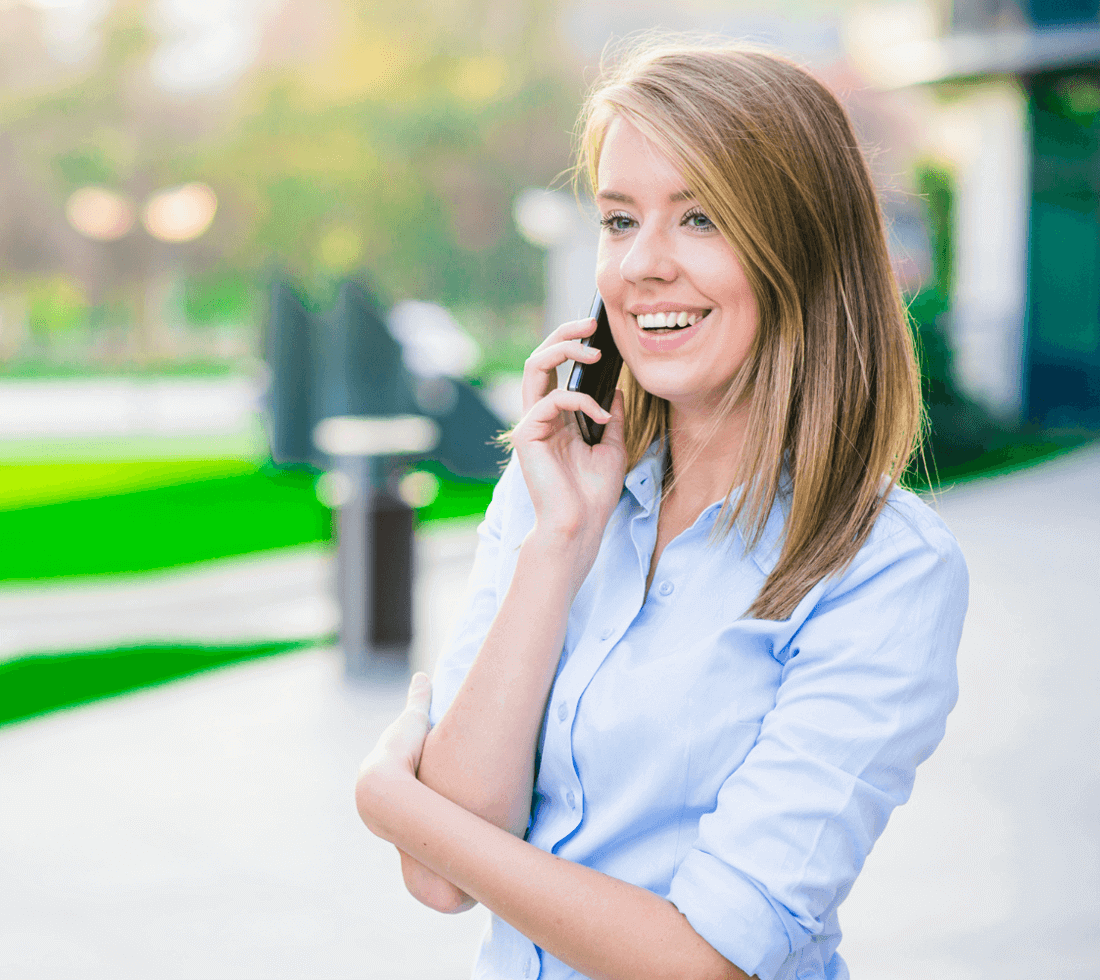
{"points": [[616, 222], [696, 219]]}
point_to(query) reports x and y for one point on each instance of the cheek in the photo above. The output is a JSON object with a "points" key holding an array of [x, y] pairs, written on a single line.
{"points": [[608, 280]]}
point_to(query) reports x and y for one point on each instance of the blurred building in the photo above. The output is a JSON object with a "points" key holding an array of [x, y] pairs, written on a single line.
{"points": [[1021, 79]]}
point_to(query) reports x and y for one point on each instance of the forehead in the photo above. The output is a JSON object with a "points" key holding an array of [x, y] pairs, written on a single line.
{"points": [[630, 162]]}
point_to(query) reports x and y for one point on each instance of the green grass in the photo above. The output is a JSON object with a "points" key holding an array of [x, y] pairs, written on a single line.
{"points": [[29, 484], [116, 517], [162, 527], [1005, 452], [232, 508], [36, 685]]}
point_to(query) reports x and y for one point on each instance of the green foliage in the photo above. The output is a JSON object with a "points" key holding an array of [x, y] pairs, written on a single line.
{"points": [[55, 305], [218, 296], [963, 440], [396, 145], [35, 685], [936, 185], [84, 165]]}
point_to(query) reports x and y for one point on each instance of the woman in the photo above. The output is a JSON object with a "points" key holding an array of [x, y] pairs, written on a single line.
{"points": [[702, 659]]}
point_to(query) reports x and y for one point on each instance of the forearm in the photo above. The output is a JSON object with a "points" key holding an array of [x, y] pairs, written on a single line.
{"points": [[600, 926], [481, 754]]}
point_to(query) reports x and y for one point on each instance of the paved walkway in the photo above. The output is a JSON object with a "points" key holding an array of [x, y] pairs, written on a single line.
{"points": [[206, 830], [283, 595]]}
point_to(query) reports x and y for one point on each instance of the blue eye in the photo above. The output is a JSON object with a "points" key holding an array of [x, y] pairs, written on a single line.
{"points": [[617, 223]]}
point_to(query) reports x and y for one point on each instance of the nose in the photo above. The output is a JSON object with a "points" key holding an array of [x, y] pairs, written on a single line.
{"points": [[649, 258]]}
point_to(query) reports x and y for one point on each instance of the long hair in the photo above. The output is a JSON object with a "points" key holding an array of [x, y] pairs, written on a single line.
{"points": [[832, 383]]}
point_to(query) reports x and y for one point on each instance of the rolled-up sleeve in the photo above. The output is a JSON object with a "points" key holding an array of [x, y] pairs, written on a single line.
{"points": [[868, 680]]}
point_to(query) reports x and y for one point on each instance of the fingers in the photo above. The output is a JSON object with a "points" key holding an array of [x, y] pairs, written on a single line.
{"points": [[573, 330], [548, 358], [544, 417], [563, 344], [420, 693]]}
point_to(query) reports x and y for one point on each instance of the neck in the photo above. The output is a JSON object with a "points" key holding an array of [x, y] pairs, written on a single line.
{"points": [[705, 453]]}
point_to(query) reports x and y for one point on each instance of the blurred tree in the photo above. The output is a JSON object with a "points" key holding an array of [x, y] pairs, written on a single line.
{"points": [[400, 146], [390, 137], [55, 305], [959, 430]]}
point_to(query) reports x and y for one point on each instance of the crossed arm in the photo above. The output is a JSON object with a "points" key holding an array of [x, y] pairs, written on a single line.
{"points": [[453, 856], [459, 826]]}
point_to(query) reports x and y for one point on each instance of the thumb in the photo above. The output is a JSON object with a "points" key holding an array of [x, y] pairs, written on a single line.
{"points": [[420, 693]]}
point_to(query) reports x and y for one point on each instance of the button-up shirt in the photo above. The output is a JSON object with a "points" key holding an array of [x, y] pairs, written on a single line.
{"points": [[741, 768]]}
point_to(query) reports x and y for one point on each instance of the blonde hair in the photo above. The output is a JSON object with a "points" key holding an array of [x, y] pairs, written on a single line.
{"points": [[832, 383]]}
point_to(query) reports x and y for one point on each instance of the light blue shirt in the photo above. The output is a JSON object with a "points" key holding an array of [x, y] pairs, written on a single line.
{"points": [[741, 768]]}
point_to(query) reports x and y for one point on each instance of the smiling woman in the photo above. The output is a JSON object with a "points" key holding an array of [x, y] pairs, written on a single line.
{"points": [[702, 658]]}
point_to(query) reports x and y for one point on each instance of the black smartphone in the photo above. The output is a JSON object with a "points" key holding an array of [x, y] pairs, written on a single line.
{"points": [[599, 379]]}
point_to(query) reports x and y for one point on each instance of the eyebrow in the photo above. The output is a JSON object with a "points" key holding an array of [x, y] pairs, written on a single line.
{"points": [[684, 195]]}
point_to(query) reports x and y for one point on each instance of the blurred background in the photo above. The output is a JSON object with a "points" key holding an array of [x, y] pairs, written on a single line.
{"points": [[224, 223]]}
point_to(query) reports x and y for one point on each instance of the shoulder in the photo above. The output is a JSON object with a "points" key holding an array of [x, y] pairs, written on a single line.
{"points": [[908, 525], [909, 558], [909, 562]]}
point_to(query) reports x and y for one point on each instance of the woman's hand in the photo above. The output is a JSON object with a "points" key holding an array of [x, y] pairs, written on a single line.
{"points": [[384, 779], [394, 759], [574, 486]]}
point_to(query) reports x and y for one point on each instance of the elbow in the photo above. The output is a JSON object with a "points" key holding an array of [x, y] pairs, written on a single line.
{"points": [[431, 890]]}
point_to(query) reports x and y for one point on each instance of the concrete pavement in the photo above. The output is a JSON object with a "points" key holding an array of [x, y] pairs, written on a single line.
{"points": [[205, 829], [281, 595]]}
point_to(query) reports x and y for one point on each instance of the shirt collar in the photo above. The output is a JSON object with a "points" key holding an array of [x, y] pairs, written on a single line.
{"points": [[644, 481]]}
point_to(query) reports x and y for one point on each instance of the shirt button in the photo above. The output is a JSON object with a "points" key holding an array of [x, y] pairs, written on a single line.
{"points": [[527, 968], [570, 799], [563, 710], [665, 588], [606, 634]]}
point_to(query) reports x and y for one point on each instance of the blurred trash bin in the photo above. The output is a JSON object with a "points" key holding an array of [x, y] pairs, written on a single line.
{"points": [[374, 557]]}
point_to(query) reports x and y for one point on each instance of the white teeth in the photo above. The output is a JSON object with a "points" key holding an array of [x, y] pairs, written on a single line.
{"points": [[656, 321]]}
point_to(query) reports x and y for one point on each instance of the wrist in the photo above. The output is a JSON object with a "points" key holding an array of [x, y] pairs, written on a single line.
{"points": [[561, 557]]}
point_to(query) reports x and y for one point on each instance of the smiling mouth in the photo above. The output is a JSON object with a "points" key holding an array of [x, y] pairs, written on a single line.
{"points": [[668, 322]]}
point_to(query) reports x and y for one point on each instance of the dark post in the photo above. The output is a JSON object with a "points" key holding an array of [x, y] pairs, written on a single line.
{"points": [[292, 361]]}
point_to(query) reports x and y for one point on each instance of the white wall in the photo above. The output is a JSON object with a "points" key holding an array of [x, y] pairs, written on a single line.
{"points": [[986, 135]]}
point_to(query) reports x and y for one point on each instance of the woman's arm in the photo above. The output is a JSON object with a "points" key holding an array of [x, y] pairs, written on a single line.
{"points": [[481, 754], [602, 927]]}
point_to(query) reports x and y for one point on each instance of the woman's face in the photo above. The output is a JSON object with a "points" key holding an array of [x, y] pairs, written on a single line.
{"points": [[662, 262]]}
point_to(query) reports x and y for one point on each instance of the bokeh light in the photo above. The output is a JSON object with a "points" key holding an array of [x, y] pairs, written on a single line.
{"points": [[99, 213], [180, 214]]}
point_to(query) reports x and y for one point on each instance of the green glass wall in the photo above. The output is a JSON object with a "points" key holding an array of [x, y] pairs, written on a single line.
{"points": [[1063, 350]]}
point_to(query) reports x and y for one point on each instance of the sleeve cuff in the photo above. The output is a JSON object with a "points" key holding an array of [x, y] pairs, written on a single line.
{"points": [[732, 914]]}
